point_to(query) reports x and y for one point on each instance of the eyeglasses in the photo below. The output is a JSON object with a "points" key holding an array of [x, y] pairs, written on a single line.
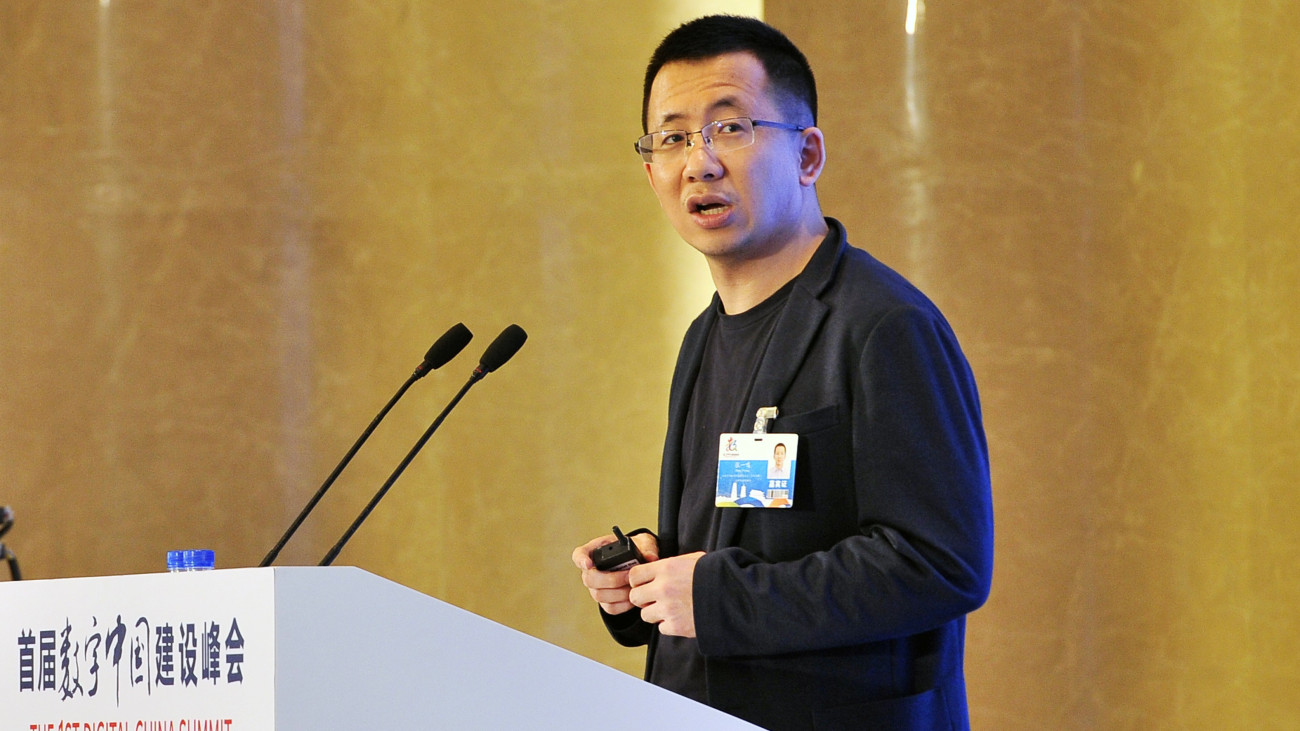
{"points": [[724, 134]]}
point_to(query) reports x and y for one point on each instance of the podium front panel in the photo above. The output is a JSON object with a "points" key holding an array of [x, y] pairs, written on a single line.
{"points": [[296, 648], [141, 651]]}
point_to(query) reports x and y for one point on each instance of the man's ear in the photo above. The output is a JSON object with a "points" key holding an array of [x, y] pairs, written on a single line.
{"points": [[812, 156]]}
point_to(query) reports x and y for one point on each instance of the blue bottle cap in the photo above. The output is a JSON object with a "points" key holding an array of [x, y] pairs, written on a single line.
{"points": [[191, 560]]}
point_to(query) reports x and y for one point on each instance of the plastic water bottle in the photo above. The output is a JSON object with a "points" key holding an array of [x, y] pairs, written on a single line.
{"points": [[191, 560]]}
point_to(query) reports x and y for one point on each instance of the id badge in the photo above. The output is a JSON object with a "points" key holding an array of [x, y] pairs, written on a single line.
{"points": [[756, 470]]}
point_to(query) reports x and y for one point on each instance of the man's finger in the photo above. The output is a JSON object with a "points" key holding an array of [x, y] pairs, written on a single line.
{"points": [[582, 554], [594, 579], [642, 574]]}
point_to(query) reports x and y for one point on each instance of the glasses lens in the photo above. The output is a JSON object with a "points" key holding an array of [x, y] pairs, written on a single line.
{"points": [[645, 147], [660, 145], [729, 134]]}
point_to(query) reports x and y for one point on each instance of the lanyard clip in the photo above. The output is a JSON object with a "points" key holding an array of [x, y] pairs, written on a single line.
{"points": [[765, 415]]}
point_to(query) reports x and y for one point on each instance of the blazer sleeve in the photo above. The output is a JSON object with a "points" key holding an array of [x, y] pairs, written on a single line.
{"points": [[628, 629], [920, 554]]}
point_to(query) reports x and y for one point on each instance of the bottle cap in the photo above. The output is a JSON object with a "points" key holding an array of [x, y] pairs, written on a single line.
{"points": [[191, 560]]}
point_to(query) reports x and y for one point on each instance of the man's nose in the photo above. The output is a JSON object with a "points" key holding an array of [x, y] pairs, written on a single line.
{"points": [[701, 162]]}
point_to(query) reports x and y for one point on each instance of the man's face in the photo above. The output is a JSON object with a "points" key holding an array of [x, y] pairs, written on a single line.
{"points": [[778, 456], [738, 204]]}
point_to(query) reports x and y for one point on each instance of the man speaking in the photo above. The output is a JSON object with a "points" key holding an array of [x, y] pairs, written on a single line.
{"points": [[841, 602]]}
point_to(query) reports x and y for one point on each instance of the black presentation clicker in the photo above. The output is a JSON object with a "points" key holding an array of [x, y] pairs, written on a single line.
{"points": [[619, 555]]}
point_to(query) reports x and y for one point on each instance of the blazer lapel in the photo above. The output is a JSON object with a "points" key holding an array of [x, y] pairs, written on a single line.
{"points": [[794, 334], [679, 400]]}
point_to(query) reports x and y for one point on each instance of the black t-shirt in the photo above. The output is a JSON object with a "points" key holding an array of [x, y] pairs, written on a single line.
{"points": [[732, 354]]}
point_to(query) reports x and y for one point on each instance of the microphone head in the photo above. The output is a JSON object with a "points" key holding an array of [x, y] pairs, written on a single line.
{"points": [[447, 347], [502, 349]]}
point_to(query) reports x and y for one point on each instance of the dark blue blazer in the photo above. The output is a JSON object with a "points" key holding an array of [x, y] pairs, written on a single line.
{"points": [[848, 609]]}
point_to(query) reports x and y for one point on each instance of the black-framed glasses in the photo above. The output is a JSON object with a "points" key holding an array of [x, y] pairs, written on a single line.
{"points": [[719, 136]]}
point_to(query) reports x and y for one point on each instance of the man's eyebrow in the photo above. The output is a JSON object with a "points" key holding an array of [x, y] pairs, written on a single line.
{"points": [[726, 102], [671, 118]]}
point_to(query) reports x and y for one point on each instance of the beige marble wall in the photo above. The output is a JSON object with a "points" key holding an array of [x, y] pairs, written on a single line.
{"points": [[228, 231], [1104, 198]]}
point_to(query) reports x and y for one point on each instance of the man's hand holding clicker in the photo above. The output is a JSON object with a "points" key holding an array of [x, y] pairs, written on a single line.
{"points": [[610, 588]]}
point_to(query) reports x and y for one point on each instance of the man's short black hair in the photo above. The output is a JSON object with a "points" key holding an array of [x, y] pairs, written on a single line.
{"points": [[714, 35]]}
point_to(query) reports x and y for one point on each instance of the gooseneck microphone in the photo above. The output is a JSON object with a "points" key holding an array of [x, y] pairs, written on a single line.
{"points": [[7, 522], [501, 350], [443, 350]]}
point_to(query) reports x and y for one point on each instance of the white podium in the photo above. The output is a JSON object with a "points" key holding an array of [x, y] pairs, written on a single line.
{"points": [[296, 648]]}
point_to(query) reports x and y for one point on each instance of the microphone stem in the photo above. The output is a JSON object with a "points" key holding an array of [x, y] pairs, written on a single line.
{"points": [[478, 375], [311, 504], [14, 572]]}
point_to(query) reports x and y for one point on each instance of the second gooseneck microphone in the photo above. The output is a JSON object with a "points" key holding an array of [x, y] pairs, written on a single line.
{"points": [[501, 350]]}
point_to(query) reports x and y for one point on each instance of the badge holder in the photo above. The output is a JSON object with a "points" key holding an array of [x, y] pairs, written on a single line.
{"points": [[757, 470]]}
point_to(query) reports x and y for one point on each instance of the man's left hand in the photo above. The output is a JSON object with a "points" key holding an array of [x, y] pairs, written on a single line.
{"points": [[662, 589]]}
